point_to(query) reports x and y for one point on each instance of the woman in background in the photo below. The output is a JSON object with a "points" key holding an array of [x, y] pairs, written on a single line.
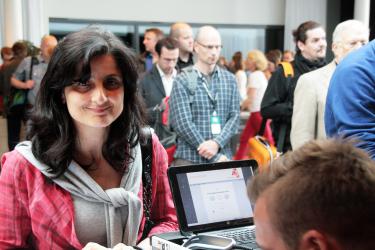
{"points": [[274, 59], [256, 63], [79, 178], [237, 69]]}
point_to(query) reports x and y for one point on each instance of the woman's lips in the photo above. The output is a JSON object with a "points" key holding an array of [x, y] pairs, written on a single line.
{"points": [[99, 110]]}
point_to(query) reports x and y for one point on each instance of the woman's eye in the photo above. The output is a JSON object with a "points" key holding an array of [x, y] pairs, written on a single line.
{"points": [[81, 85], [113, 83]]}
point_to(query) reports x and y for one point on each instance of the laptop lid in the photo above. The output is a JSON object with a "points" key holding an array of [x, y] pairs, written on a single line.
{"points": [[212, 196]]}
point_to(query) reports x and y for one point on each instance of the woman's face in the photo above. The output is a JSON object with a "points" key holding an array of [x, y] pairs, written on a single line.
{"points": [[100, 100], [250, 64]]}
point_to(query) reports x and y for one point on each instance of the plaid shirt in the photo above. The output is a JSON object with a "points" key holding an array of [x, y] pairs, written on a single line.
{"points": [[192, 121], [36, 213]]}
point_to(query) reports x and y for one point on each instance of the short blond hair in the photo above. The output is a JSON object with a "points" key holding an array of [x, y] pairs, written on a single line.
{"points": [[259, 58]]}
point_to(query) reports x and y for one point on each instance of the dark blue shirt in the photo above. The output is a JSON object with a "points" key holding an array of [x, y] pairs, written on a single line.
{"points": [[350, 106]]}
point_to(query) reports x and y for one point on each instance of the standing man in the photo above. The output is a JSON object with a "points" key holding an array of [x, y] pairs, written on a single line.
{"points": [[157, 83], [277, 103], [13, 111], [152, 36], [182, 33], [204, 105], [30, 72], [350, 109], [311, 90]]}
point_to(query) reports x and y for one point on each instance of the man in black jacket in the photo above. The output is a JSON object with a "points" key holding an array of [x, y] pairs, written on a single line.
{"points": [[182, 33], [157, 83], [277, 103]]}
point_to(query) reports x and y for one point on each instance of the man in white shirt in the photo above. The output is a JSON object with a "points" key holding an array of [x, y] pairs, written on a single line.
{"points": [[157, 83]]}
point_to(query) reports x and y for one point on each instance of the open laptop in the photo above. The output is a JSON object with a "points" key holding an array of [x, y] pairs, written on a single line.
{"points": [[212, 199]]}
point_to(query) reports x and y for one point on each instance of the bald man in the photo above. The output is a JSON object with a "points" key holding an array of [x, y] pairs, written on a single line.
{"points": [[182, 33], [30, 72], [206, 118]]}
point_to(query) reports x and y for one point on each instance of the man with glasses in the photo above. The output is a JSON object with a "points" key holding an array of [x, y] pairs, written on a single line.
{"points": [[206, 115], [311, 90]]}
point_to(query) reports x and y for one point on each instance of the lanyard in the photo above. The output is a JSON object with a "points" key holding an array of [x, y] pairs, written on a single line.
{"points": [[212, 99]]}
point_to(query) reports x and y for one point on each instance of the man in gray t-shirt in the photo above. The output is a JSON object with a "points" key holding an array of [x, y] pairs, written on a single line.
{"points": [[23, 80]]}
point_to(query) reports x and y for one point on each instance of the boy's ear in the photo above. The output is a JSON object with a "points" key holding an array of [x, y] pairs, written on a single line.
{"points": [[315, 240]]}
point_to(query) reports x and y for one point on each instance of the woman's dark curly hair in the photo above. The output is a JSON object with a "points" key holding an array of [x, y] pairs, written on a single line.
{"points": [[51, 128]]}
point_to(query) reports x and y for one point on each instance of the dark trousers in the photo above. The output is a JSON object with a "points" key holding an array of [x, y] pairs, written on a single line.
{"points": [[14, 121]]}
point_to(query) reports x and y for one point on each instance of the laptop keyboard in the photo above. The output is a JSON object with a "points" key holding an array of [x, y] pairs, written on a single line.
{"points": [[243, 237]]}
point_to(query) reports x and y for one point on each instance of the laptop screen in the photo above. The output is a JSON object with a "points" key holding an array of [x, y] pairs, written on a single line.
{"points": [[212, 195]]}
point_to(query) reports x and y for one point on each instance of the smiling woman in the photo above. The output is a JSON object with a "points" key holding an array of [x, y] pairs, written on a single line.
{"points": [[83, 164], [98, 101]]}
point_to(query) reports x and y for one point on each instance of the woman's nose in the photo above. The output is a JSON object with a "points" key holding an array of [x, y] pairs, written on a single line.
{"points": [[100, 95]]}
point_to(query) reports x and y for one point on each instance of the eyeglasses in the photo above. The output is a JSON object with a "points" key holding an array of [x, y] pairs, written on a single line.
{"points": [[210, 47]]}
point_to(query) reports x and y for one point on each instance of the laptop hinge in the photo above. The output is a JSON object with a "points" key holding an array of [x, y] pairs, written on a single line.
{"points": [[187, 234]]}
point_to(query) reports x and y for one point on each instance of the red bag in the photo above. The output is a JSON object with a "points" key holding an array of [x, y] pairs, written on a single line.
{"points": [[162, 129]]}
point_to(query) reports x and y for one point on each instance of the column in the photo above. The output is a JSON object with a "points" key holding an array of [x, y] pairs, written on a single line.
{"points": [[299, 11], [362, 11], [36, 22], [13, 28]]}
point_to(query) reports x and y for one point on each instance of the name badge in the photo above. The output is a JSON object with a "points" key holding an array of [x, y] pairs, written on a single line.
{"points": [[215, 124]]}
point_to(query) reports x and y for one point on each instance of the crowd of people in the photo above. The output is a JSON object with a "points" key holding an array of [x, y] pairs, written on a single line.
{"points": [[62, 182], [20, 78]]}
